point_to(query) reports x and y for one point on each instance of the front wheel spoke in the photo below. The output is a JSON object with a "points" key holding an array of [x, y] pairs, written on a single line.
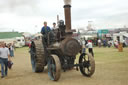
{"points": [[86, 64], [53, 67], [88, 69]]}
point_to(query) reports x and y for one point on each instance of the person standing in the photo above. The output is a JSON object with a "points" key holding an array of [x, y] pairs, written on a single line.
{"points": [[116, 43], [54, 26], [90, 47], [104, 42], [83, 45], [99, 43], [123, 43], [109, 44], [0, 53], [11, 50], [4, 57], [45, 29]]}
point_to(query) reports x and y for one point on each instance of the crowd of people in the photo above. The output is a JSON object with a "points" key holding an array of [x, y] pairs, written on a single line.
{"points": [[107, 43], [104, 43], [99, 43], [6, 52]]}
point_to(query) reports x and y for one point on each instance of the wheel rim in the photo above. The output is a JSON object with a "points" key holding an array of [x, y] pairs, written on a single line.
{"points": [[54, 68], [88, 64]]}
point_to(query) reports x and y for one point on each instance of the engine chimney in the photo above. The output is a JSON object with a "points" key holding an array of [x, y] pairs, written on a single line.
{"points": [[67, 10]]}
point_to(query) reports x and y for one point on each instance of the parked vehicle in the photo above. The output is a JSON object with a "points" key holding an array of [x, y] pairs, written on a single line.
{"points": [[19, 42]]}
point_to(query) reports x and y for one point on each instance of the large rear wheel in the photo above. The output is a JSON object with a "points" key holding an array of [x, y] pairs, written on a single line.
{"points": [[87, 66], [54, 68], [37, 56]]}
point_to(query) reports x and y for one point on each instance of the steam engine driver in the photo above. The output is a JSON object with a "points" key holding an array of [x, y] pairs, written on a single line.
{"points": [[45, 30]]}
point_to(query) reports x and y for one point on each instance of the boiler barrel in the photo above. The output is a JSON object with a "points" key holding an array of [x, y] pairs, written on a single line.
{"points": [[70, 47]]}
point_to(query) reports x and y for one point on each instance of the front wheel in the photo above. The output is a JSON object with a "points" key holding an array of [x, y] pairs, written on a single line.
{"points": [[87, 64], [54, 67]]}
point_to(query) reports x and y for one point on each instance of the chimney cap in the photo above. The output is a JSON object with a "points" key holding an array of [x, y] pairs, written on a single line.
{"points": [[67, 6]]}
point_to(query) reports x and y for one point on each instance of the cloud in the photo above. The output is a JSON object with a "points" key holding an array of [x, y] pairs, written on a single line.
{"points": [[26, 14]]}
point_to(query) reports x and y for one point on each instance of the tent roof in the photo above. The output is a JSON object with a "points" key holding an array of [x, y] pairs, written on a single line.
{"points": [[6, 35], [126, 34]]}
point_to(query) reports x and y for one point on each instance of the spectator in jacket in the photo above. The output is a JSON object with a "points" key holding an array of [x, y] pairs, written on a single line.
{"points": [[4, 57]]}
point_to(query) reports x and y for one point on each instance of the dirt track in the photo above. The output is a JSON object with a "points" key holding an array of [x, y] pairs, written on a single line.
{"points": [[107, 73]]}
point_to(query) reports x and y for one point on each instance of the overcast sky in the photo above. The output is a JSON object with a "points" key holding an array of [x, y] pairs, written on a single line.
{"points": [[29, 15]]}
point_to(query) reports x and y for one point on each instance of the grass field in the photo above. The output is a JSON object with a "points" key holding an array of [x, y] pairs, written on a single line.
{"points": [[111, 69]]}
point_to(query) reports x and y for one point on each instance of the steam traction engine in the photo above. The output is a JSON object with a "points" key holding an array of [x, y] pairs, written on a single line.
{"points": [[58, 51]]}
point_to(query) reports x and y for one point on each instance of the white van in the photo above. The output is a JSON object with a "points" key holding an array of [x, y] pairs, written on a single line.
{"points": [[19, 42]]}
